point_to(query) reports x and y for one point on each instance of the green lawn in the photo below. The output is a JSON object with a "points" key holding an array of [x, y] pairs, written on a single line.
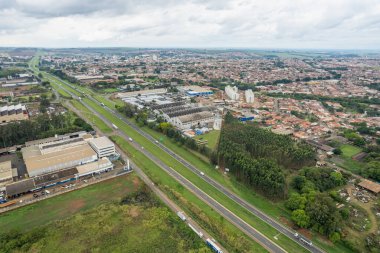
{"points": [[65, 205], [348, 151], [212, 137], [91, 118]]}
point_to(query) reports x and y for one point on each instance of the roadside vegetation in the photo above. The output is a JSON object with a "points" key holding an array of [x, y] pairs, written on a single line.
{"points": [[128, 219]]}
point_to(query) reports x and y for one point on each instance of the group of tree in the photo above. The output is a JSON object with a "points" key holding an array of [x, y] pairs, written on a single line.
{"points": [[43, 126], [354, 137], [257, 156], [262, 143], [311, 206]]}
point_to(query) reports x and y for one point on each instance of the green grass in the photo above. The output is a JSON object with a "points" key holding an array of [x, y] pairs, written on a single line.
{"points": [[345, 159], [109, 90], [65, 205], [348, 151], [212, 137], [162, 179], [113, 228], [91, 117]]}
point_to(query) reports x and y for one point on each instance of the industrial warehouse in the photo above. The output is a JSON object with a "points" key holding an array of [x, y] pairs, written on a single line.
{"points": [[56, 160], [185, 116]]}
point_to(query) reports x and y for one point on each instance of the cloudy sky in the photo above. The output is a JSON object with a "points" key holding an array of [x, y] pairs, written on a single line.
{"points": [[342, 24]]}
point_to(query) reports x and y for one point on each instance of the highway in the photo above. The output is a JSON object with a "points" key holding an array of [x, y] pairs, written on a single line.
{"points": [[281, 228], [241, 224]]}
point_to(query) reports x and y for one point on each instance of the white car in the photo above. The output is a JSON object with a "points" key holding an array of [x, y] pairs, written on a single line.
{"points": [[202, 173]]}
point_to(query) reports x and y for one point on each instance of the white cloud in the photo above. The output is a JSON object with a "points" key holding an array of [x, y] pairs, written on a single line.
{"points": [[196, 23]]}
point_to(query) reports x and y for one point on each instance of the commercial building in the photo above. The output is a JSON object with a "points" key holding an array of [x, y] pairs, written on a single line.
{"points": [[232, 92], [196, 91], [13, 113], [103, 146]]}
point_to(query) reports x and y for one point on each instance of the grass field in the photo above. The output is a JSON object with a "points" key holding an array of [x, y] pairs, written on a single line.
{"points": [[94, 220], [91, 117], [65, 205], [212, 138], [345, 159], [349, 150]]}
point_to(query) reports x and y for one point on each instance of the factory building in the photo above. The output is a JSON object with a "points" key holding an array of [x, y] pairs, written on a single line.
{"points": [[184, 116], [249, 96], [39, 162], [13, 113], [196, 91], [102, 165], [199, 119], [232, 92], [63, 152], [103, 146], [123, 95]]}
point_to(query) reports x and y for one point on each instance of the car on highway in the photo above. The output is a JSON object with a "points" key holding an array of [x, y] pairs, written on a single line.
{"points": [[202, 173]]}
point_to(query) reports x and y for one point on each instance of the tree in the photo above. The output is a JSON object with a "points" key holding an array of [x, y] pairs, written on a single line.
{"points": [[300, 217], [334, 237], [298, 182], [323, 214], [337, 151], [296, 201]]}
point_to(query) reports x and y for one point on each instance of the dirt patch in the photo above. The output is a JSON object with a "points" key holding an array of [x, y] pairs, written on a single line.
{"points": [[136, 182], [134, 211], [305, 232], [76, 205], [286, 222]]}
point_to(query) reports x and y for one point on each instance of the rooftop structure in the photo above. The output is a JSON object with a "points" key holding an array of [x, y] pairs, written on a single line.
{"points": [[56, 138], [95, 167], [370, 186], [141, 93], [5, 172], [199, 119], [13, 113], [38, 163], [196, 91]]}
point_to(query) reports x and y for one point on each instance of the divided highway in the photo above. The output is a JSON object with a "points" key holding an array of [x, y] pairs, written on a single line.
{"points": [[236, 220], [242, 225]]}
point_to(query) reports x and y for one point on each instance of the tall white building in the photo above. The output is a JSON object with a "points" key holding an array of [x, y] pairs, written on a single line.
{"points": [[249, 96], [103, 146], [232, 92]]}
